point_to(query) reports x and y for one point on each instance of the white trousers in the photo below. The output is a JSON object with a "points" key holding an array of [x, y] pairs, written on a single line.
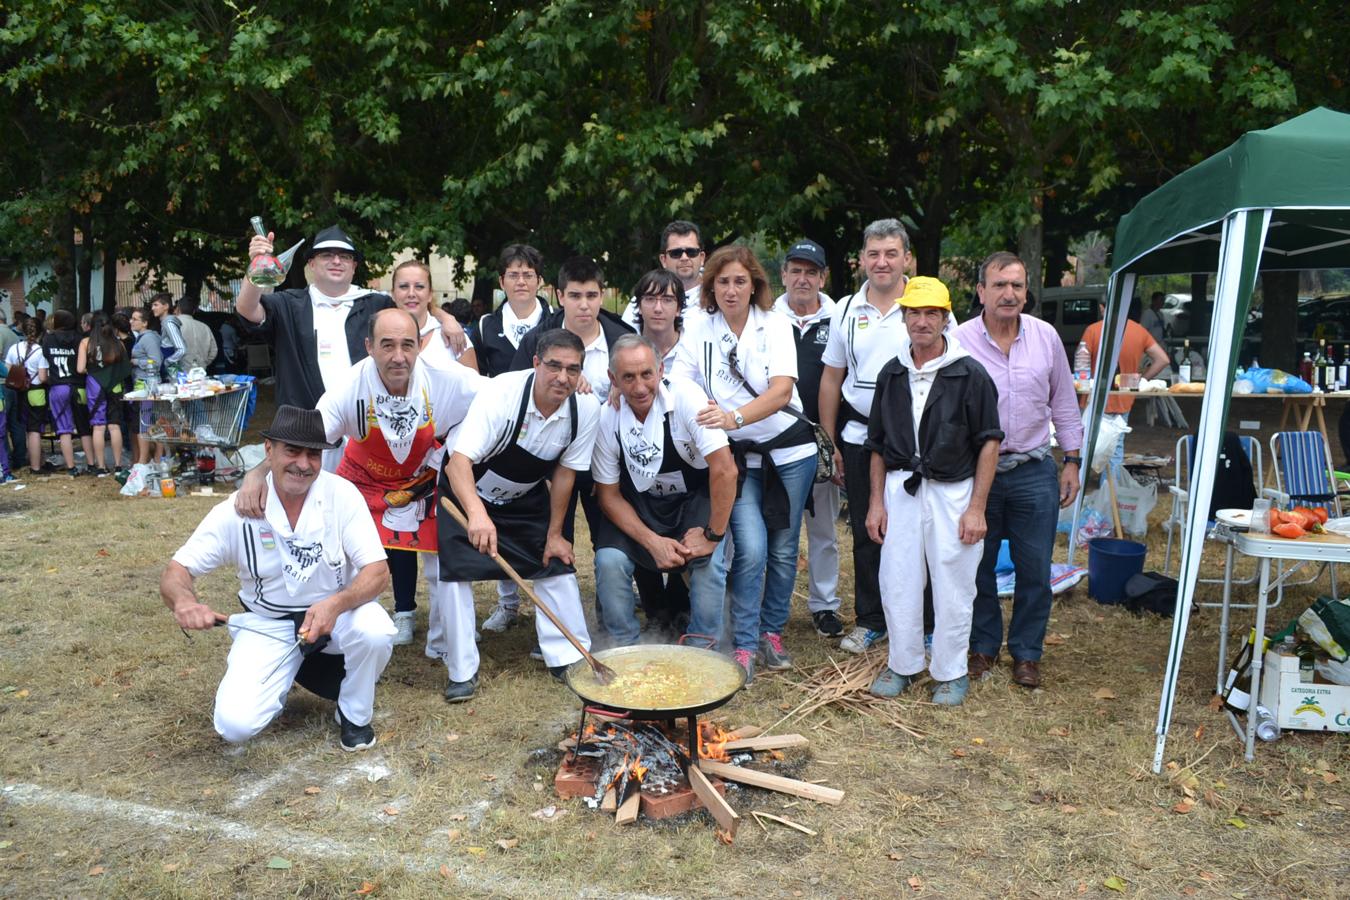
{"points": [[446, 621], [922, 530], [562, 596], [822, 548], [245, 703]]}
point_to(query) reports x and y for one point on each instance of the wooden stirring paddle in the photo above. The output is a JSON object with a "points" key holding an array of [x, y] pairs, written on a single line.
{"points": [[603, 673]]}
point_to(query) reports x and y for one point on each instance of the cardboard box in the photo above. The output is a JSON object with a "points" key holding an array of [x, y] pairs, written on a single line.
{"points": [[1297, 704]]}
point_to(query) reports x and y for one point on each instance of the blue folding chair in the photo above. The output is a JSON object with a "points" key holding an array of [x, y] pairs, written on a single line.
{"points": [[1304, 477]]}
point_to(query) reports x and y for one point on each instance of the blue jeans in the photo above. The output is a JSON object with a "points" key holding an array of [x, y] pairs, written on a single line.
{"points": [[17, 433], [618, 602], [764, 566], [1023, 507]]}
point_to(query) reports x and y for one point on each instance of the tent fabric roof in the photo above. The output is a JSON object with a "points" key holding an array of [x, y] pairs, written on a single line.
{"points": [[1298, 168]]}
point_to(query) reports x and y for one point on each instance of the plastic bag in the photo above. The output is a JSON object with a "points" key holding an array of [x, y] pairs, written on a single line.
{"points": [[1327, 622], [1276, 381], [1136, 502], [1111, 430], [138, 480], [1093, 522]]}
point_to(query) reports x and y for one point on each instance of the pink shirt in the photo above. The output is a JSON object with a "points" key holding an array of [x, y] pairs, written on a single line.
{"points": [[1034, 384]]}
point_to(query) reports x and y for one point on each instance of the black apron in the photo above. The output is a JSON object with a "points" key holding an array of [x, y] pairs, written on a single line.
{"points": [[670, 515], [522, 522]]}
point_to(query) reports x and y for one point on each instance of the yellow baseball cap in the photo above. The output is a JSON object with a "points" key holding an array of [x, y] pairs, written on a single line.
{"points": [[923, 291]]}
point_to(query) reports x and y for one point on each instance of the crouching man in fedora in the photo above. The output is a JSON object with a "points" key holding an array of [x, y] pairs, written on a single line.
{"points": [[308, 573]]}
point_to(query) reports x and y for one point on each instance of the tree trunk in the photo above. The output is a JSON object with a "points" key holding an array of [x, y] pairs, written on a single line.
{"points": [[85, 267], [1279, 320], [1029, 246], [109, 280], [63, 264]]}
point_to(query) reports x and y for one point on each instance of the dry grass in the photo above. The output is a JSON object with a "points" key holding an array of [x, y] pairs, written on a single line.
{"points": [[1016, 794]]}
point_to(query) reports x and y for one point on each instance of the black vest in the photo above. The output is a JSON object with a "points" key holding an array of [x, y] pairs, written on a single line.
{"points": [[493, 348]]}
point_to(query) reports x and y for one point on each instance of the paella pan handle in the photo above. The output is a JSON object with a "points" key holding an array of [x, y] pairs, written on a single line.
{"points": [[603, 673], [712, 641], [607, 712]]}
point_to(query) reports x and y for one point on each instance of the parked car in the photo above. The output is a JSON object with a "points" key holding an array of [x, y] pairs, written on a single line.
{"points": [[1071, 310]]}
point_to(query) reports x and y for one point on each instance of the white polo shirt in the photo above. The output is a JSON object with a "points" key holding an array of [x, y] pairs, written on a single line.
{"points": [[862, 340], [764, 350], [692, 441], [330, 332], [595, 366], [283, 569], [487, 430]]}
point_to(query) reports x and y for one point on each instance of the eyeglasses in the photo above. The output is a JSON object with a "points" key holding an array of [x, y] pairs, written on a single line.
{"points": [[556, 367], [330, 255], [519, 276], [677, 252], [662, 299]]}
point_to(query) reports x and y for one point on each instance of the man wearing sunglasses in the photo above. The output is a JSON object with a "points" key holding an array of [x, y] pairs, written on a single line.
{"points": [[681, 253], [317, 332], [513, 469]]}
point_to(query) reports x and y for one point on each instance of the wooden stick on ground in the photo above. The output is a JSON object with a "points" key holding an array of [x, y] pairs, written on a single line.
{"points": [[745, 731], [610, 802], [781, 821], [628, 810], [717, 805], [819, 793], [766, 742]]}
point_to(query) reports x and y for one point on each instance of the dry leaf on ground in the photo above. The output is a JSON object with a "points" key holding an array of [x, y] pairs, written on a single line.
{"points": [[1114, 883], [367, 887], [312, 790], [278, 862], [1183, 807], [508, 843], [391, 810], [1104, 694], [915, 882], [97, 870]]}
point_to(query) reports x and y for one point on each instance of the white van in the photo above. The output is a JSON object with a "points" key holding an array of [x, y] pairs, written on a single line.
{"points": [[1071, 310]]}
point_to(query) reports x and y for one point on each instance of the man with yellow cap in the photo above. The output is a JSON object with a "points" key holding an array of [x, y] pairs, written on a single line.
{"points": [[934, 434]]}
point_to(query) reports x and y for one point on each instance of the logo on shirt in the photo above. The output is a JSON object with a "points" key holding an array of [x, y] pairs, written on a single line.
{"points": [[823, 333], [269, 541], [304, 555], [862, 321]]}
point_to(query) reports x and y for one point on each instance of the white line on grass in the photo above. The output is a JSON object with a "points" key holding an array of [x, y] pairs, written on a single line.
{"points": [[297, 843], [265, 784]]}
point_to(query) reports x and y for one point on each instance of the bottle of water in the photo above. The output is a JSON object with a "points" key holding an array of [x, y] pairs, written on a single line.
{"points": [[1082, 362]]}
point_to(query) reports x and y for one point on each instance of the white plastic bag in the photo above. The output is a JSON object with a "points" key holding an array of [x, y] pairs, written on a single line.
{"points": [[1111, 431], [1136, 502], [137, 480]]}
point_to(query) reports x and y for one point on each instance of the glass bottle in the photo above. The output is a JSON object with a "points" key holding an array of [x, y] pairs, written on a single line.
{"points": [[1320, 365], [1184, 367], [264, 270], [1305, 368]]}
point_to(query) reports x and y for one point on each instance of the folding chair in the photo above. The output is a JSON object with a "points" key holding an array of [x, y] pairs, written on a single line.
{"points": [[1180, 491], [1304, 477]]}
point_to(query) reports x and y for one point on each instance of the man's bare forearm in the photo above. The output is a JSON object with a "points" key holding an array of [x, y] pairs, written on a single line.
{"points": [[985, 467], [559, 498]]}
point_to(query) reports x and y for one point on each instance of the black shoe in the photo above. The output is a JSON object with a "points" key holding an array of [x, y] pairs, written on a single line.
{"points": [[558, 672], [828, 624], [459, 691], [355, 737]]}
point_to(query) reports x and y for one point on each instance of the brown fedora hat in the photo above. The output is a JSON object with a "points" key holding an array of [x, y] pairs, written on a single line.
{"points": [[300, 428]]}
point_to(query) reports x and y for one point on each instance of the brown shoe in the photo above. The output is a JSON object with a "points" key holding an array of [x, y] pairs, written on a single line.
{"points": [[979, 664], [1027, 672]]}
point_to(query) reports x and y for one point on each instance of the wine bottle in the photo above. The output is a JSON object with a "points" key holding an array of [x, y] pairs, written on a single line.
{"points": [[1237, 687], [1184, 367], [1343, 370], [1320, 365]]}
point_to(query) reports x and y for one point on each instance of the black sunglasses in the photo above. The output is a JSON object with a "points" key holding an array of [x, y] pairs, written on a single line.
{"points": [[677, 252]]}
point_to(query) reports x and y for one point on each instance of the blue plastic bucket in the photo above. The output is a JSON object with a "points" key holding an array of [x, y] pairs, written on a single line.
{"points": [[1111, 563]]}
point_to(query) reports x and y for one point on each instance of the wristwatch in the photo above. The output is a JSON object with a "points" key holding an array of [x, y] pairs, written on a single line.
{"points": [[1076, 460], [740, 419], [711, 535]]}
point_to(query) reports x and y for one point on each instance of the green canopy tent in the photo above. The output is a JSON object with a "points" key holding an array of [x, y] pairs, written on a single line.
{"points": [[1277, 199]]}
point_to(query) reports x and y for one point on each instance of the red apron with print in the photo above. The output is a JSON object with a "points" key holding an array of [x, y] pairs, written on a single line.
{"points": [[401, 495]]}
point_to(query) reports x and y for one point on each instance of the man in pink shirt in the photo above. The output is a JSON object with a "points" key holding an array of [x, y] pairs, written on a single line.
{"points": [[1024, 357]]}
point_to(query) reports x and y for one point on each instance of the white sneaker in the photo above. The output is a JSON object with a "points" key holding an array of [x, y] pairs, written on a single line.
{"points": [[501, 619], [861, 639], [403, 621]]}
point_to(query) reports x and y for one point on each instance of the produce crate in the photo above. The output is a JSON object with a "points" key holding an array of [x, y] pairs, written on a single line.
{"points": [[1302, 705]]}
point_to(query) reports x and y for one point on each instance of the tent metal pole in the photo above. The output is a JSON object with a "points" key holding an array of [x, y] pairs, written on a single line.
{"points": [[1244, 236]]}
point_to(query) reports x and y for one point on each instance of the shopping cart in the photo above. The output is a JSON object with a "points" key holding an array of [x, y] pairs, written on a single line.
{"points": [[212, 423]]}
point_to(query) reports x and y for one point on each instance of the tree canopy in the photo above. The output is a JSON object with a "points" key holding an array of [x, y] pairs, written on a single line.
{"points": [[155, 130]]}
